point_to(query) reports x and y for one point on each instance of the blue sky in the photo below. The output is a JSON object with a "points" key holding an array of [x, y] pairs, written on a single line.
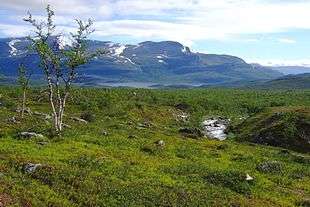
{"points": [[270, 32]]}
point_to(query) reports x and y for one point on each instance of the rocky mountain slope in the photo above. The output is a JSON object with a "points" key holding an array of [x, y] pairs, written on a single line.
{"points": [[151, 62]]}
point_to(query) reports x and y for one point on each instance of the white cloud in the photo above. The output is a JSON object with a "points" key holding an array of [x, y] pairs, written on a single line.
{"points": [[286, 41], [283, 62], [182, 20]]}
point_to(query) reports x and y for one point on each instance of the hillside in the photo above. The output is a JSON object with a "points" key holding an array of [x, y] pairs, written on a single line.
{"points": [[168, 63], [300, 81], [281, 127], [144, 148]]}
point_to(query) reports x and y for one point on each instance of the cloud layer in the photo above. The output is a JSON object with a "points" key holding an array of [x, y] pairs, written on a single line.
{"points": [[183, 20], [186, 21]]}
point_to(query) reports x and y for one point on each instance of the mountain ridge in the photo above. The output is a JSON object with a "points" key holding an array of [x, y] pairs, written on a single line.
{"points": [[166, 62]]}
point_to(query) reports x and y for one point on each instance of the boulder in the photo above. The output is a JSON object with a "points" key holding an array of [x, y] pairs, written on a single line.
{"points": [[29, 135], [104, 133], [160, 143], [249, 178], [30, 167], [270, 167], [12, 120]]}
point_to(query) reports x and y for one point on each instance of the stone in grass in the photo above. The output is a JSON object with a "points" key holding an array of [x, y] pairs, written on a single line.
{"points": [[29, 135], [104, 133], [13, 120], [270, 167], [30, 167], [249, 178], [160, 143]]}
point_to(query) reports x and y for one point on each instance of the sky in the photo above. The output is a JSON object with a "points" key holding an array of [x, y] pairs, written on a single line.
{"points": [[269, 32]]}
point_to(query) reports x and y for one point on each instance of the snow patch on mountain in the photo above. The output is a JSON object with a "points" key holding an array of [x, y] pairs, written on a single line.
{"points": [[11, 44], [64, 41], [119, 50]]}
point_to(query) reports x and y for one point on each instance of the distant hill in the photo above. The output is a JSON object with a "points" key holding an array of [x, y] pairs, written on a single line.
{"points": [[300, 81], [166, 63], [292, 70]]}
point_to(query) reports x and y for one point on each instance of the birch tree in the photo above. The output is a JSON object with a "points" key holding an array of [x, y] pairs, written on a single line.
{"points": [[23, 80], [59, 63]]}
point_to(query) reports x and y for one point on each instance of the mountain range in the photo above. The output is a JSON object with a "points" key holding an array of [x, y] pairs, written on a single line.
{"points": [[147, 63]]}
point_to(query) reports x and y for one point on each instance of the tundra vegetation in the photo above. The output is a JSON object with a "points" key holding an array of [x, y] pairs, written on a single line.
{"points": [[139, 147], [130, 151]]}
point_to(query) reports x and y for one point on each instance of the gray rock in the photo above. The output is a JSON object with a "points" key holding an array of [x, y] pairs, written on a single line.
{"points": [[30, 167], [270, 167], [249, 178], [29, 135], [160, 143], [104, 133], [12, 120]]}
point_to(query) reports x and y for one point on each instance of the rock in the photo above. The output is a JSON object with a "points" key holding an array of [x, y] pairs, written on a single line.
{"points": [[194, 133], [29, 135], [249, 178], [215, 128], [104, 133], [30, 167], [160, 143], [13, 120], [79, 120], [270, 167]]}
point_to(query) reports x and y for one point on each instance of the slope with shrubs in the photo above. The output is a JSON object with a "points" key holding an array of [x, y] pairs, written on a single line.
{"points": [[116, 159]]}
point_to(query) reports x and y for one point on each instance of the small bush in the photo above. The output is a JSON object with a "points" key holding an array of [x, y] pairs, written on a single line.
{"points": [[235, 181], [270, 167], [88, 116]]}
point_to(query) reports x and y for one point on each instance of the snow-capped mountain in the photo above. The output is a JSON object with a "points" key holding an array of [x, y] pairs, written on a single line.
{"points": [[157, 62]]}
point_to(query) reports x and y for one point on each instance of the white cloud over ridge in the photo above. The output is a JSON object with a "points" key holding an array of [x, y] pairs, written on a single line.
{"points": [[186, 21]]}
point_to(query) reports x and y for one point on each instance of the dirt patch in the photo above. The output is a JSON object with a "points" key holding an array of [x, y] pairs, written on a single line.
{"points": [[5, 200]]}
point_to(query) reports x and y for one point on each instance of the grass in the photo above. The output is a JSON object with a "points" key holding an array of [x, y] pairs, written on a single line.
{"points": [[125, 167]]}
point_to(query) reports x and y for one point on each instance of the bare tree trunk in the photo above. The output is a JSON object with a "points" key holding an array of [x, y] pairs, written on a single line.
{"points": [[54, 112], [24, 103]]}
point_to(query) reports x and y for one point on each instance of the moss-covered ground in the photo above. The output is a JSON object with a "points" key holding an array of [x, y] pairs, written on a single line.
{"points": [[114, 159]]}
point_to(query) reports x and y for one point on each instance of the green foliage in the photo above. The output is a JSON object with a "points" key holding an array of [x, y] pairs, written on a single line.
{"points": [[233, 180], [126, 166], [23, 78]]}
